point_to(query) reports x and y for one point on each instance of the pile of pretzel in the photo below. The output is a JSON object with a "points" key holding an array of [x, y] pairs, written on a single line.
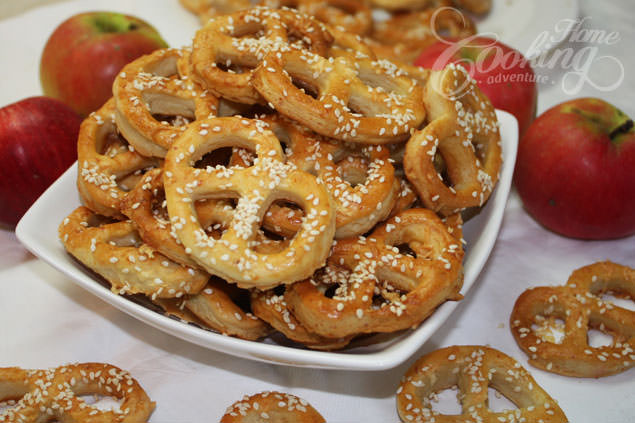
{"points": [[410, 26], [276, 174]]}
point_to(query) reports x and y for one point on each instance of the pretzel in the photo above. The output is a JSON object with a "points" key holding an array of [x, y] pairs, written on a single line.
{"points": [[454, 162], [403, 4], [378, 288], [153, 85], [408, 34], [115, 251], [273, 309], [352, 16], [232, 256], [107, 166], [271, 406], [360, 179], [579, 305], [228, 47], [473, 369], [479, 7], [364, 188], [370, 102], [217, 306], [208, 9], [55, 394], [417, 30], [146, 206]]}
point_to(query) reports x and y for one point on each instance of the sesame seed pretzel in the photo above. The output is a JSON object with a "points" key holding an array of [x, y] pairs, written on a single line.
{"points": [[352, 16], [579, 305], [271, 406], [369, 102], [473, 369], [454, 162], [403, 4], [207, 9], [228, 47], [152, 85], [361, 180], [54, 395], [363, 186], [216, 306], [146, 206], [420, 29], [378, 288], [273, 309], [115, 251], [233, 256], [107, 166], [478, 7]]}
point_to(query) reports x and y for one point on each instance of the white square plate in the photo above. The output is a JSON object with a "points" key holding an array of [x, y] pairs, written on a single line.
{"points": [[38, 232]]}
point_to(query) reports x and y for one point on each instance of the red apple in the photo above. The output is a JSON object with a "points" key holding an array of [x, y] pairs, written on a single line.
{"points": [[38, 142], [575, 170], [84, 54], [502, 73]]}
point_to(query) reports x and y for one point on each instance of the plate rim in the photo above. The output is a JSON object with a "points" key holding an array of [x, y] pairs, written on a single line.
{"points": [[389, 357]]}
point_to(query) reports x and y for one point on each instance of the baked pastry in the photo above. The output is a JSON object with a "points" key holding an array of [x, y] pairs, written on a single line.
{"points": [[580, 307], [271, 406], [473, 369], [55, 394]]}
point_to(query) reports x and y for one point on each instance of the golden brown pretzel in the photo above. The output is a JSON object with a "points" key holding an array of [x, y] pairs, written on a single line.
{"points": [[378, 288], [479, 7], [232, 256], [419, 29], [371, 102], [227, 48], [362, 182], [217, 306], [579, 306], [473, 369], [155, 85], [54, 395], [454, 162], [271, 406], [107, 166], [352, 16], [146, 206], [115, 251], [273, 309], [207, 9]]}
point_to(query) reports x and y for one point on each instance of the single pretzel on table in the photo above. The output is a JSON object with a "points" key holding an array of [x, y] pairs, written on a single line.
{"points": [[233, 256], [454, 162], [368, 101], [107, 166], [227, 49], [352, 16], [55, 395], [473, 369], [271, 406], [378, 288], [580, 306], [115, 251], [153, 85]]}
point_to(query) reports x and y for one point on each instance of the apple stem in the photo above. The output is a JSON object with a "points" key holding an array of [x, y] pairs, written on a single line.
{"points": [[623, 128]]}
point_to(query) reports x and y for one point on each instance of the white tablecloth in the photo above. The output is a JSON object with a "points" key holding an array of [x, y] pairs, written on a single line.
{"points": [[46, 320]]}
